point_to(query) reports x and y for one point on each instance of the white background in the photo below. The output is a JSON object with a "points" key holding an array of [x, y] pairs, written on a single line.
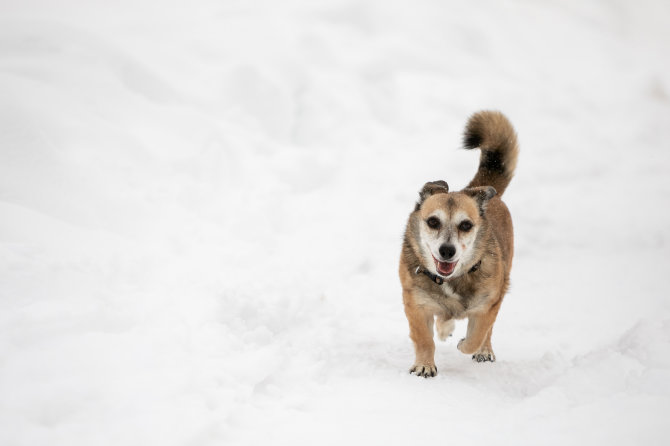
{"points": [[202, 204]]}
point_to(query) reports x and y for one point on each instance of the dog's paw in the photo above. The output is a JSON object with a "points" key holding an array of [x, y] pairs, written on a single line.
{"points": [[445, 328], [461, 346], [424, 370], [484, 357]]}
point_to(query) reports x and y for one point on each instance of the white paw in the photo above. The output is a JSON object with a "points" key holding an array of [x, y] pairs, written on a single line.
{"points": [[445, 329]]}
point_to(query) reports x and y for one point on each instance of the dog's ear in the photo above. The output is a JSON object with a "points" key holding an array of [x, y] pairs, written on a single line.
{"points": [[431, 188], [482, 195]]}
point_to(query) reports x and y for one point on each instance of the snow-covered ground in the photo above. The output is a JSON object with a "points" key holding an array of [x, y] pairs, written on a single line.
{"points": [[202, 203]]}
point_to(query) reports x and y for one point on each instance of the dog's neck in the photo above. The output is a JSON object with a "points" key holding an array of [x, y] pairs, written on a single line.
{"points": [[438, 279]]}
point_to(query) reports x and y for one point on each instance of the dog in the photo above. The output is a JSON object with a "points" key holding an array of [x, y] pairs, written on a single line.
{"points": [[458, 247]]}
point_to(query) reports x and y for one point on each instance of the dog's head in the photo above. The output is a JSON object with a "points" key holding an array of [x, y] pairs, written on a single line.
{"points": [[448, 225]]}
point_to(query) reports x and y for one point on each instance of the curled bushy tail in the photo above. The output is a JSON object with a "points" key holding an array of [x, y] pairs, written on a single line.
{"points": [[492, 132]]}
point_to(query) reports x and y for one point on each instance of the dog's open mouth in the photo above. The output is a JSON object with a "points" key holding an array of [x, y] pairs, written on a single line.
{"points": [[445, 268]]}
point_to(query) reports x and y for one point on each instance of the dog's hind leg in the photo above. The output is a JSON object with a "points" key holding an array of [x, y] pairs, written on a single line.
{"points": [[445, 327]]}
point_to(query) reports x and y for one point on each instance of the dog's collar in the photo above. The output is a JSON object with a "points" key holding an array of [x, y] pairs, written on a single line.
{"points": [[475, 267], [439, 280], [434, 277]]}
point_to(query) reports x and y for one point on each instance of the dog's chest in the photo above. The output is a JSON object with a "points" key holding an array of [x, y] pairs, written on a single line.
{"points": [[450, 293], [447, 301]]}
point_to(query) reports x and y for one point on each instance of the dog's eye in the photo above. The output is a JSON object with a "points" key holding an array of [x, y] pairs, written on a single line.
{"points": [[433, 222], [465, 226]]}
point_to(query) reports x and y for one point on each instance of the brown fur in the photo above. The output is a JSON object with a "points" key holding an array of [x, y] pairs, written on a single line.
{"points": [[473, 293], [496, 138]]}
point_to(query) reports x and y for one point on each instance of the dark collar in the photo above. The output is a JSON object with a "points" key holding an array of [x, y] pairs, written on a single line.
{"points": [[439, 280]]}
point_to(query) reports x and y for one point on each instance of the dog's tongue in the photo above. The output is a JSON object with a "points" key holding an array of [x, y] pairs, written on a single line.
{"points": [[445, 268]]}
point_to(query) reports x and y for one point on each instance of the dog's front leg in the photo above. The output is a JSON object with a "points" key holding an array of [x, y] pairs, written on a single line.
{"points": [[485, 352], [480, 326], [421, 333]]}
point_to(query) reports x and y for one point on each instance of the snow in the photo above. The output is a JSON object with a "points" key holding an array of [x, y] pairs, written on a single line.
{"points": [[202, 203]]}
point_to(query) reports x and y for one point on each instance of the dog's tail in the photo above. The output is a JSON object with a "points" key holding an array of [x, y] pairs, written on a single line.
{"points": [[492, 132]]}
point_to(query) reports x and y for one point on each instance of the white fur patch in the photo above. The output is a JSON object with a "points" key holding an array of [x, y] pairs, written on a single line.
{"points": [[445, 328], [449, 291], [432, 240]]}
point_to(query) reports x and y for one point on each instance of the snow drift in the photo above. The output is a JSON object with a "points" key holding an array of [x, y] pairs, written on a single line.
{"points": [[201, 209]]}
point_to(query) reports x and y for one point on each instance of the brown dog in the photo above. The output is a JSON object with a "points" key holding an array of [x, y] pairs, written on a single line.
{"points": [[458, 246]]}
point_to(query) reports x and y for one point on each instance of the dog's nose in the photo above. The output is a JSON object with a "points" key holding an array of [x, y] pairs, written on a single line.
{"points": [[447, 251]]}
